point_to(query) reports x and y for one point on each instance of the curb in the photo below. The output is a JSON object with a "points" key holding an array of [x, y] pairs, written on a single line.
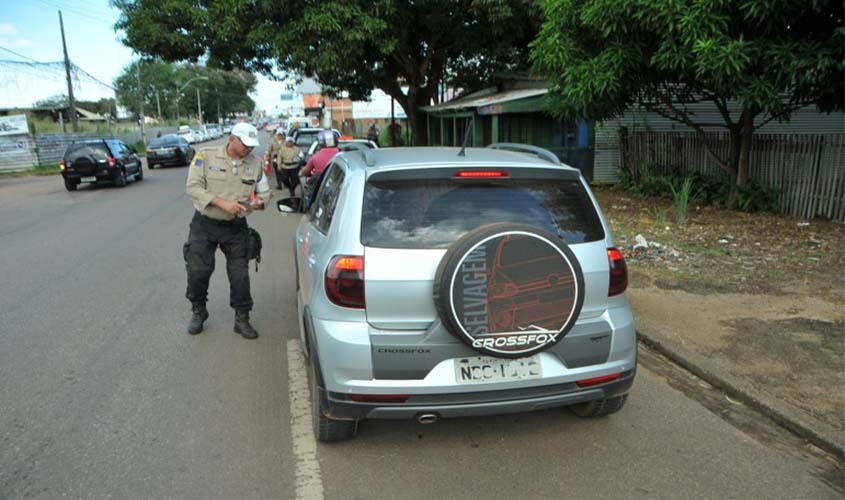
{"points": [[817, 433]]}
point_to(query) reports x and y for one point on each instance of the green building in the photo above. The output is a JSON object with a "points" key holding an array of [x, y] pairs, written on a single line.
{"points": [[513, 110]]}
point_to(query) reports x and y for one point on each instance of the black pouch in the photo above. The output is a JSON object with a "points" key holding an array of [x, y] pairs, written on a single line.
{"points": [[253, 246]]}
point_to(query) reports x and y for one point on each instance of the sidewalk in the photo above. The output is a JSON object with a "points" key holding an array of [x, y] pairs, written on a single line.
{"points": [[783, 354]]}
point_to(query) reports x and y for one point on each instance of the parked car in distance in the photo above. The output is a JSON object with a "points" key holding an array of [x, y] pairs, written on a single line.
{"points": [[186, 133], [303, 137], [443, 282], [169, 150], [100, 160]]}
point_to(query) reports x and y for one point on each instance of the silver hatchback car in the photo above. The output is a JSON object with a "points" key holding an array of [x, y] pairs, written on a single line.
{"points": [[436, 282]]}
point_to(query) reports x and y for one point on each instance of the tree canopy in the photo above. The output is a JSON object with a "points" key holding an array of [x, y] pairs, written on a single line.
{"points": [[352, 46], [164, 85], [767, 57]]}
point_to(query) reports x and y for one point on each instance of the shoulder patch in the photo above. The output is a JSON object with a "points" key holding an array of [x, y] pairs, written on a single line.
{"points": [[198, 157]]}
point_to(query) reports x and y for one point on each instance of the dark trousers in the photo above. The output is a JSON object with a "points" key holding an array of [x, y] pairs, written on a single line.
{"points": [[205, 236], [289, 178]]}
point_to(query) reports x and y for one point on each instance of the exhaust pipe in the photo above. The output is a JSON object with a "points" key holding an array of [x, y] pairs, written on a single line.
{"points": [[427, 418]]}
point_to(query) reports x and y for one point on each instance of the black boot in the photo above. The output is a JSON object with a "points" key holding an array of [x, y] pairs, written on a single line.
{"points": [[198, 318], [243, 327]]}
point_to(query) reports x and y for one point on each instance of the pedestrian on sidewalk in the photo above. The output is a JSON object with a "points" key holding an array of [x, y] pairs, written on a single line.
{"points": [[225, 184]]}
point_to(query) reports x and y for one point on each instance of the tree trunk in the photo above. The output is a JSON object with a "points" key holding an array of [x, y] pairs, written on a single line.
{"points": [[411, 103], [734, 147], [745, 147]]}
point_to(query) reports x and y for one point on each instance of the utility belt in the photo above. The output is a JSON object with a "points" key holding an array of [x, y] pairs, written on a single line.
{"points": [[237, 221]]}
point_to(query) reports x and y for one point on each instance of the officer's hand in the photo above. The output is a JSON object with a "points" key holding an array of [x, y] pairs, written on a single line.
{"points": [[256, 204], [231, 207]]}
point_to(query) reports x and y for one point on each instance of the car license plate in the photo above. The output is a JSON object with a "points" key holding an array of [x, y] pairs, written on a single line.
{"points": [[488, 369], [88, 179]]}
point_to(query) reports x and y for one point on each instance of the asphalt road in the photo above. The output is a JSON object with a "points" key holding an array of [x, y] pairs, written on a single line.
{"points": [[103, 394]]}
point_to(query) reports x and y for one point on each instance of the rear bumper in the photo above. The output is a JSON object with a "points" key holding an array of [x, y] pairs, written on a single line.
{"points": [[478, 403], [101, 175], [166, 160]]}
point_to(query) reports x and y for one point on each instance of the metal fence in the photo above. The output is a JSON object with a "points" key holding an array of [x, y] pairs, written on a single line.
{"points": [[50, 147], [809, 170]]}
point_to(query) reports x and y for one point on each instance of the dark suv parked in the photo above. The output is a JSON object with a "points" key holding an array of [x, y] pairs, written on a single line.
{"points": [[169, 150], [100, 160]]}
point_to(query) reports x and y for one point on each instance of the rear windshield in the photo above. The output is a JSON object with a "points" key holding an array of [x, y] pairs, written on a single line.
{"points": [[163, 142], [304, 139], [434, 213], [98, 150]]}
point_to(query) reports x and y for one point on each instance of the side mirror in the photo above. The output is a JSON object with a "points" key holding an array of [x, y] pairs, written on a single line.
{"points": [[289, 205]]}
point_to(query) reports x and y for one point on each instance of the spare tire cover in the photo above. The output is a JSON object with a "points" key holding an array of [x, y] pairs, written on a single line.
{"points": [[509, 290]]}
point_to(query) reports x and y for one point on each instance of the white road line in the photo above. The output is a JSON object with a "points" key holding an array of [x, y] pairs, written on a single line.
{"points": [[309, 483]]}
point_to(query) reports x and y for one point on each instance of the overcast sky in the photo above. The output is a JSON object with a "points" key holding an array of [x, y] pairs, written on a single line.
{"points": [[31, 28]]}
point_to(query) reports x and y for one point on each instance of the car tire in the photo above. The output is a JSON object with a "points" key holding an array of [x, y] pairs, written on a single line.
{"points": [[120, 179], [326, 429], [139, 176], [599, 407], [70, 186], [151, 166]]}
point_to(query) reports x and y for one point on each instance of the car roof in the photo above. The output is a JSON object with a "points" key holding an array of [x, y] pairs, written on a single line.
{"points": [[415, 157]]}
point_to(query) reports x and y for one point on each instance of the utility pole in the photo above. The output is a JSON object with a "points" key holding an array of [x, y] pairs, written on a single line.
{"points": [[199, 107], [158, 105], [141, 95], [73, 119]]}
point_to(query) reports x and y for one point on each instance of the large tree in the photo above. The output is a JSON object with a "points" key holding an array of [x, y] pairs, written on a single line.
{"points": [[164, 85], [767, 57], [352, 46]]}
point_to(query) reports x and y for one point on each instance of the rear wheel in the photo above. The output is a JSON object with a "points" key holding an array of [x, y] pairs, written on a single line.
{"points": [[70, 186], [151, 166], [326, 429], [600, 407], [120, 178], [139, 176]]}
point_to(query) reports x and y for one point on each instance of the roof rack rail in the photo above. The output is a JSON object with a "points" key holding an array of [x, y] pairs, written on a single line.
{"points": [[544, 154], [369, 159]]}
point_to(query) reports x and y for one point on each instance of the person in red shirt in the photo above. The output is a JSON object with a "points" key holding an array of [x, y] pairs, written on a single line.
{"points": [[319, 160]]}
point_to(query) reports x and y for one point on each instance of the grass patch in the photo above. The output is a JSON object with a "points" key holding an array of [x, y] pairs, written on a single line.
{"points": [[39, 170]]}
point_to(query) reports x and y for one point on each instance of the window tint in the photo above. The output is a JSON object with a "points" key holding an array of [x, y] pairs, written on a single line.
{"points": [[82, 150], [304, 139], [434, 213], [166, 141], [323, 210]]}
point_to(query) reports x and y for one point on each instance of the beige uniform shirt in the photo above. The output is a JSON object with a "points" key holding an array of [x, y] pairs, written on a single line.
{"points": [[213, 173], [288, 157], [274, 148]]}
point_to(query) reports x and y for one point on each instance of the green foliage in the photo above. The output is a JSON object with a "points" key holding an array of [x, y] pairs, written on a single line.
{"points": [[602, 56], [755, 198], [164, 84], [681, 198], [352, 46], [766, 57]]}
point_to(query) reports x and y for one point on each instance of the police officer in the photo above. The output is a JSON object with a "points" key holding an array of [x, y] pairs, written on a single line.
{"points": [[288, 160], [221, 182], [272, 154]]}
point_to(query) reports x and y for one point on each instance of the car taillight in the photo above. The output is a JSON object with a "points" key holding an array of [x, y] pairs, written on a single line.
{"points": [[62, 165], [618, 272], [588, 382], [345, 281], [111, 162], [480, 174]]}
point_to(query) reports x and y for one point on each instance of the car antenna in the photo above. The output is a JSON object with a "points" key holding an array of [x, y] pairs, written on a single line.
{"points": [[462, 152]]}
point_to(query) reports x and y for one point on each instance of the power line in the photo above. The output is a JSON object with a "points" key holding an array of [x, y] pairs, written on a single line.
{"points": [[15, 53], [89, 75], [73, 10]]}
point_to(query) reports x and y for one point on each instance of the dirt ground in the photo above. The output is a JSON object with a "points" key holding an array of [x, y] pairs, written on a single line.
{"points": [[761, 294]]}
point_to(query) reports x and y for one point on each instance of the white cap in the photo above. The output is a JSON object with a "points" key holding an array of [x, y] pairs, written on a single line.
{"points": [[289, 138], [280, 131], [246, 133]]}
